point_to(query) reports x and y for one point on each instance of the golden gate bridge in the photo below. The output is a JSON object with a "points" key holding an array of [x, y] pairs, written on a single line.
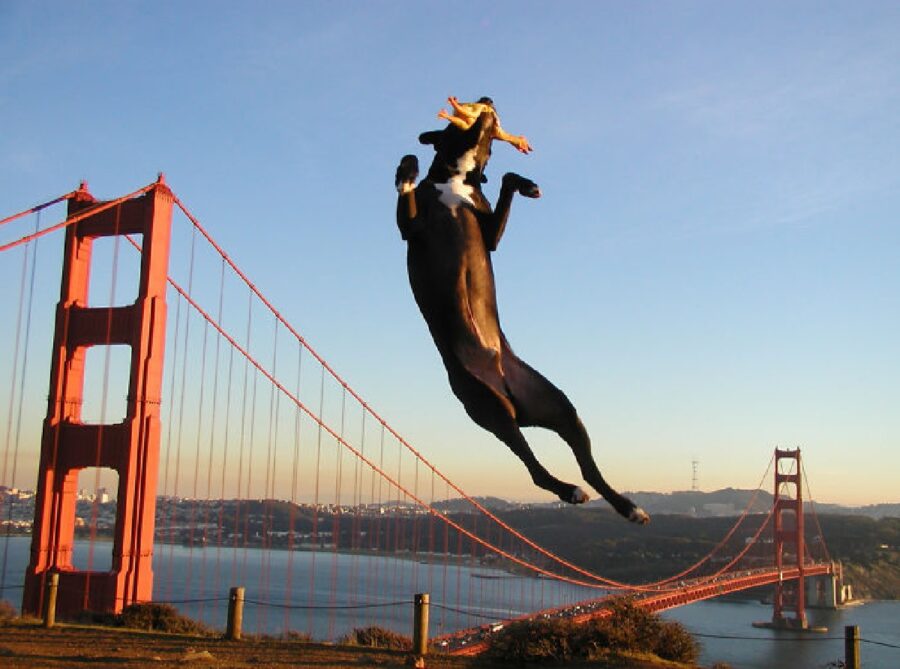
{"points": [[246, 438]]}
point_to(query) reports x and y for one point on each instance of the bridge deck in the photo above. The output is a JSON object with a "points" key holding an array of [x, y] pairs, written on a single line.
{"points": [[682, 593]]}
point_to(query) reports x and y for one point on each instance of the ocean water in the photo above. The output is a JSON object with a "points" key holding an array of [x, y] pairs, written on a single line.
{"points": [[725, 630], [327, 594], [324, 594]]}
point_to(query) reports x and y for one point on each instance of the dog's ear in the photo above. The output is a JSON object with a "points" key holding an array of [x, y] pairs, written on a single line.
{"points": [[430, 137]]}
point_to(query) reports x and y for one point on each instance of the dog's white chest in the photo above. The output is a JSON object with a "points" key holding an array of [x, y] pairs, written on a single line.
{"points": [[455, 191]]}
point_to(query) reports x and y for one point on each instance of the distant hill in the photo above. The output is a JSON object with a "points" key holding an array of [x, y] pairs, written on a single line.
{"points": [[870, 511], [458, 505], [698, 504], [725, 502]]}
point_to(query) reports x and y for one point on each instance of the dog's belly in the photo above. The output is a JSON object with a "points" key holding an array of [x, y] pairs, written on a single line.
{"points": [[452, 279]]}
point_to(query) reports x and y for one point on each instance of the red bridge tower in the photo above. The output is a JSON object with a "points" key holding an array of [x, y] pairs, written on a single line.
{"points": [[789, 595], [131, 448]]}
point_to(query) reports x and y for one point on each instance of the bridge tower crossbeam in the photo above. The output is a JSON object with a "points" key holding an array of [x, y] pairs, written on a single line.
{"points": [[130, 447]]}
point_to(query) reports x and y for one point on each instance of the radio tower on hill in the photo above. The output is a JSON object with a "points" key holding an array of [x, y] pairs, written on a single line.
{"points": [[695, 465]]}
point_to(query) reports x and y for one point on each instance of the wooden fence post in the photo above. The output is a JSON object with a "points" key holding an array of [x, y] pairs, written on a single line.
{"points": [[50, 607], [420, 625], [235, 614], [851, 647]]}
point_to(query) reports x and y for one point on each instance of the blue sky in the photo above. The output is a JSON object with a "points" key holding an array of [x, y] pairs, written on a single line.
{"points": [[710, 273]]}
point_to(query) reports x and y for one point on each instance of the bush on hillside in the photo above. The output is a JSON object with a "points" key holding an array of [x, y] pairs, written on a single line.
{"points": [[537, 641], [629, 628], [674, 642]]}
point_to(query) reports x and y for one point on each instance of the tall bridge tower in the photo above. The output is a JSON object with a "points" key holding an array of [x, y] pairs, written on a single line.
{"points": [[131, 447], [789, 544]]}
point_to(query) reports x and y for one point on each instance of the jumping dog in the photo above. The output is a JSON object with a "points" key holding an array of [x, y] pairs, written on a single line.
{"points": [[451, 231]]}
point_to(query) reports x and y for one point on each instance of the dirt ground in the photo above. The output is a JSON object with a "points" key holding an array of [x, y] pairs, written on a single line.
{"points": [[27, 645]]}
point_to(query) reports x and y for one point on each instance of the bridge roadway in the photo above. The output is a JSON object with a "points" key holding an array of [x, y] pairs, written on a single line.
{"points": [[679, 593]]}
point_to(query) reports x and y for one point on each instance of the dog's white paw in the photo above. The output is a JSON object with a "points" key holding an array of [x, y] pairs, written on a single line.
{"points": [[639, 516], [579, 496]]}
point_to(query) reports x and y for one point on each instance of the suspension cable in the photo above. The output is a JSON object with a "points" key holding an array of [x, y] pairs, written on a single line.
{"points": [[80, 216], [339, 439], [602, 580], [38, 207], [814, 514], [728, 536]]}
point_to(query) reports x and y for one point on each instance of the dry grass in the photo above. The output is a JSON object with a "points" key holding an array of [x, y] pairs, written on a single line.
{"points": [[24, 644]]}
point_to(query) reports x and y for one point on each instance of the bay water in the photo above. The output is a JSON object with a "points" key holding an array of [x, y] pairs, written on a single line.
{"points": [[326, 594]]}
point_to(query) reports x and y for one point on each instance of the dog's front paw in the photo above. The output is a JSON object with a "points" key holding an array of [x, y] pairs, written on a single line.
{"points": [[407, 173], [529, 189], [521, 185]]}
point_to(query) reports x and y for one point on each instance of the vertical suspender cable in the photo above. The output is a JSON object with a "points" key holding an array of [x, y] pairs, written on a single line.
{"points": [[398, 544], [815, 515], [295, 480], [251, 506], [170, 446], [240, 527], [20, 386], [415, 530], [182, 389], [225, 437], [337, 517], [446, 559], [430, 548], [195, 501], [315, 518], [272, 439], [381, 528], [213, 423], [277, 417], [354, 543]]}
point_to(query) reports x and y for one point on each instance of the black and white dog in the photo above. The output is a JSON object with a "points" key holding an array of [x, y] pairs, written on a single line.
{"points": [[451, 231]]}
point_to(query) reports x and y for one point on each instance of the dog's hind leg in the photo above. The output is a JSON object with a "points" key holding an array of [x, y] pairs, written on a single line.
{"points": [[541, 404], [496, 414]]}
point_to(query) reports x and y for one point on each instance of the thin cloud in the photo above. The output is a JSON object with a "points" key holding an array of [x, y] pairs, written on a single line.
{"points": [[771, 98]]}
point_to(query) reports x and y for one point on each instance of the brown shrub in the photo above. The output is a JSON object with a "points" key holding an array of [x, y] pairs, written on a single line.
{"points": [[536, 641], [674, 642], [629, 628], [159, 617], [7, 611], [376, 637], [292, 635]]}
